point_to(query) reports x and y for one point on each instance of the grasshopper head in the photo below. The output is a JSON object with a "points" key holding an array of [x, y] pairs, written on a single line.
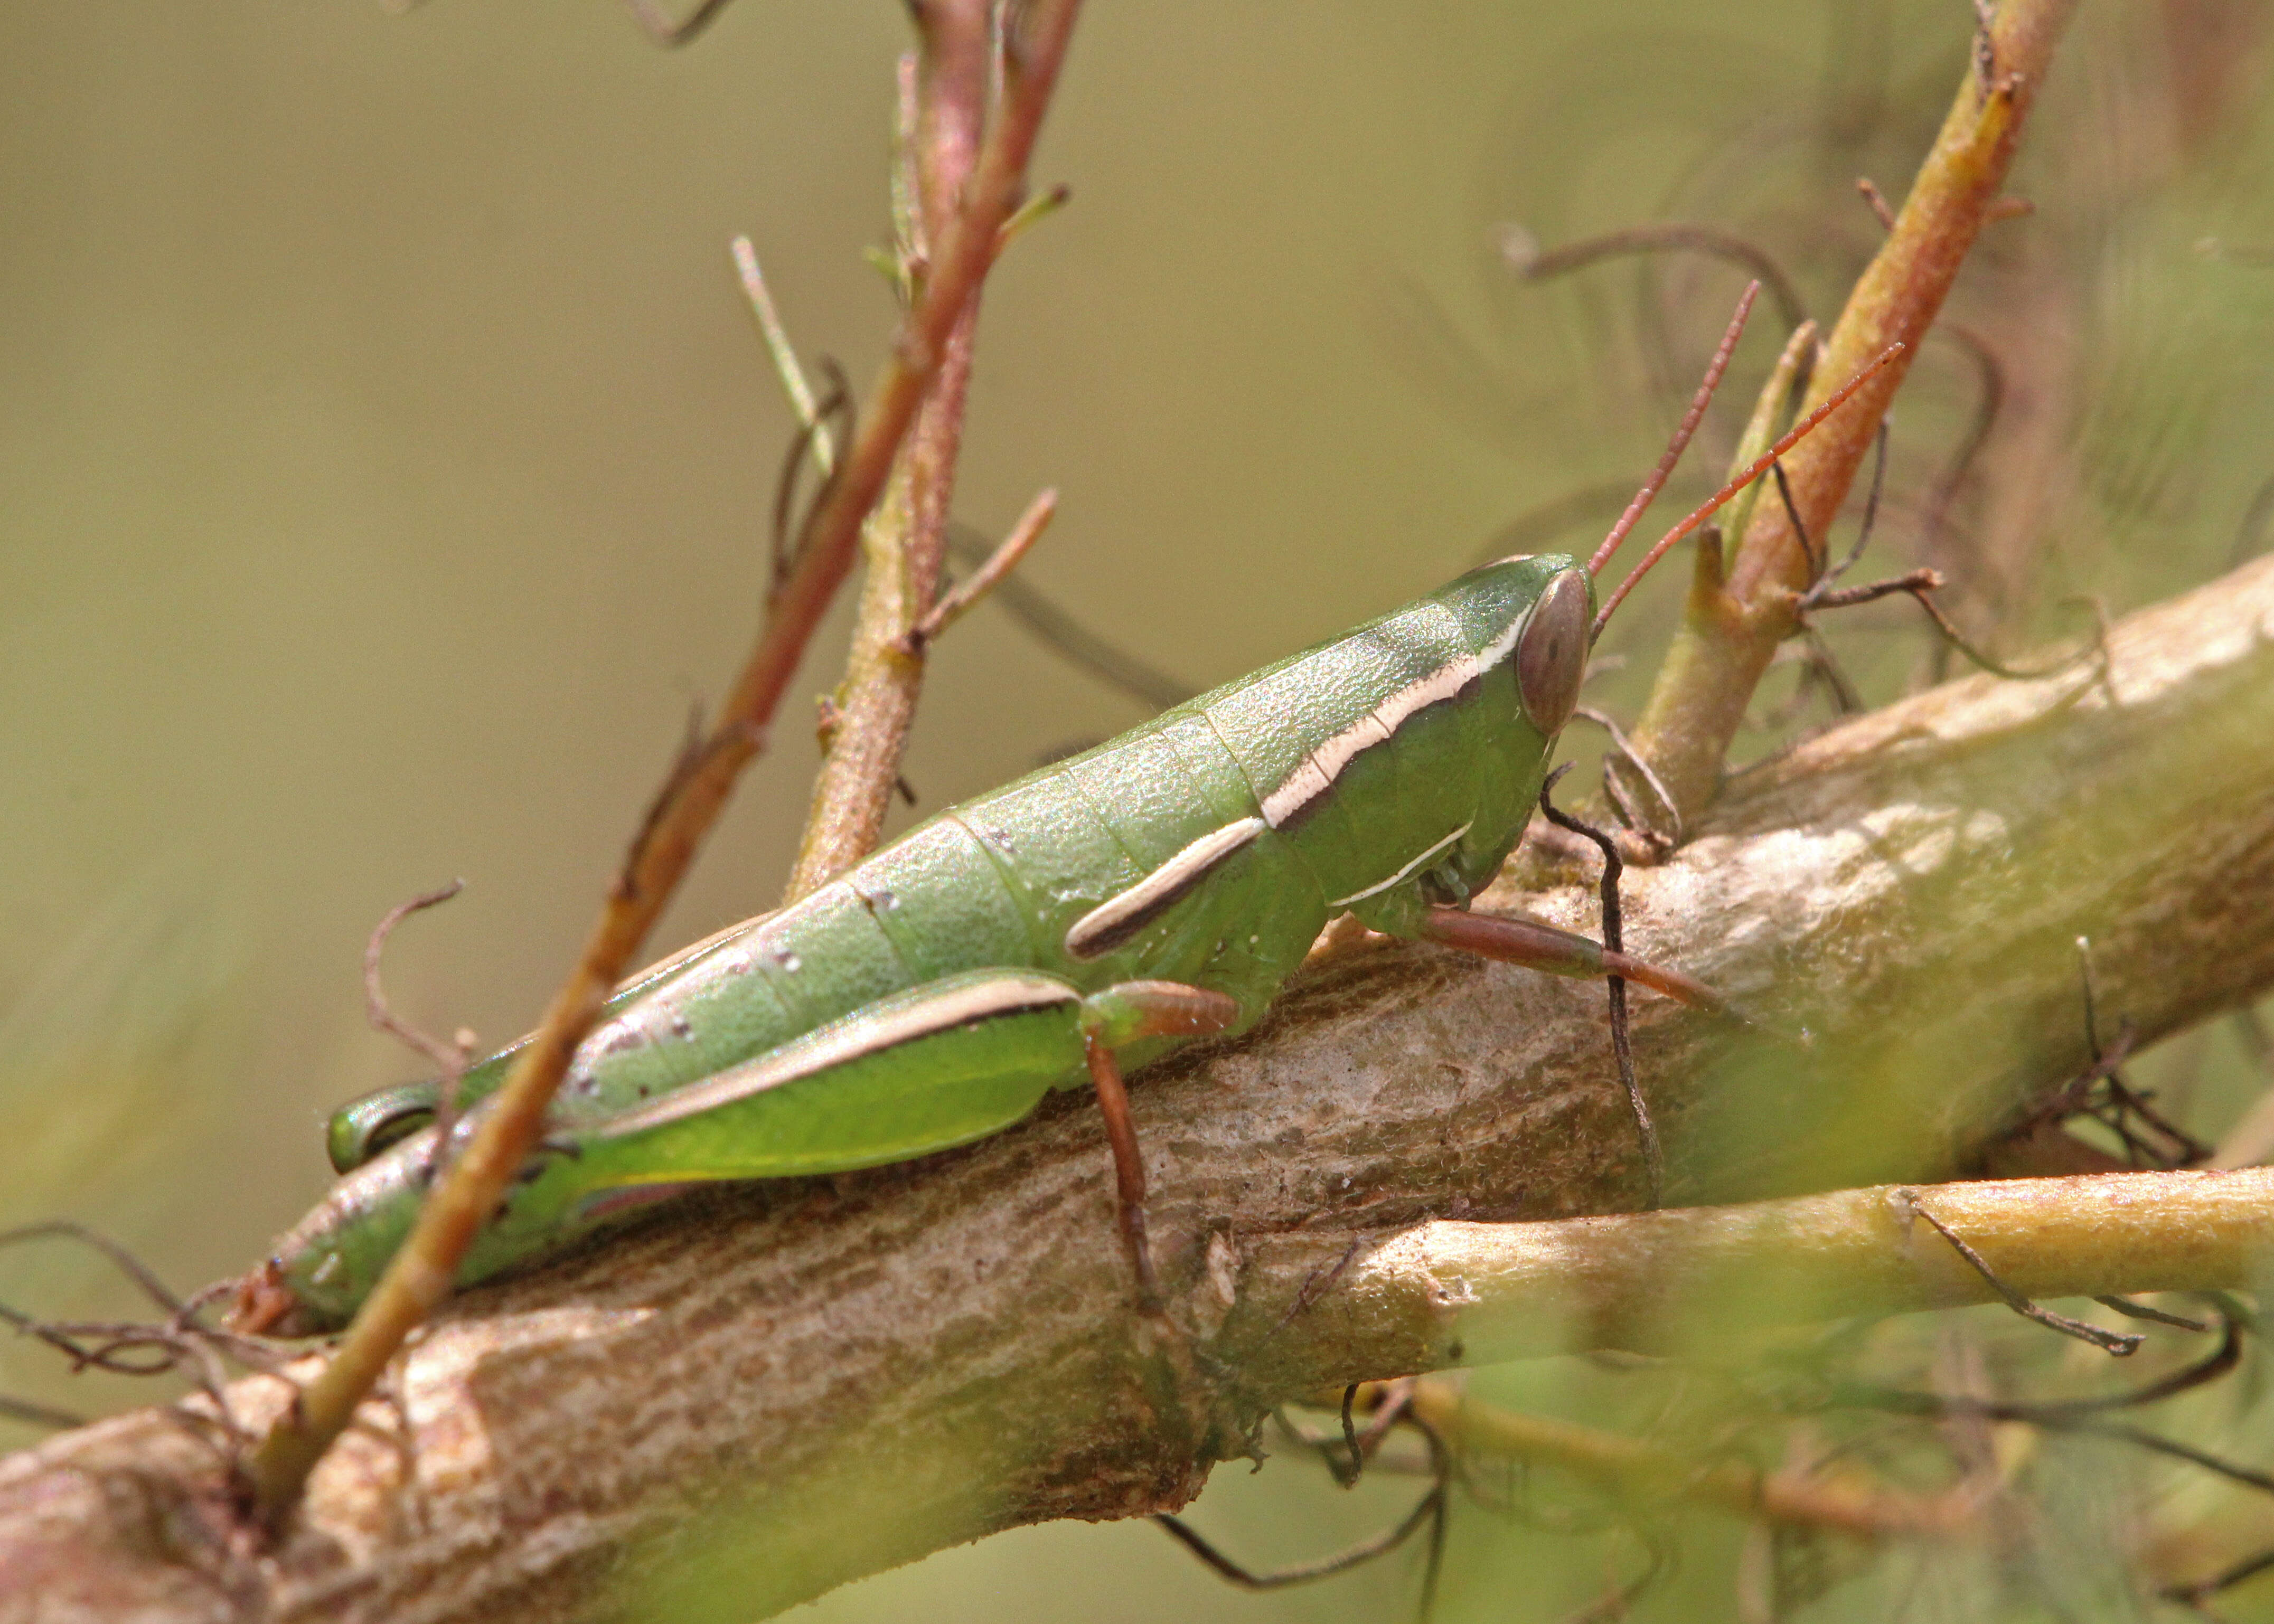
{"points": [[1550, 656], [1529, 612]]}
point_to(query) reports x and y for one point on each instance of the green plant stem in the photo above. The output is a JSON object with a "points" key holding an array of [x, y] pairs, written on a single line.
{"points": [[905, 538], [1731, 628], [1683, 1280]]}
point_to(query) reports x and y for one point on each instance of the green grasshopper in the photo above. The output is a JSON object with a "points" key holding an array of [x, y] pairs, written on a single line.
{"points": [[1092, 915]]}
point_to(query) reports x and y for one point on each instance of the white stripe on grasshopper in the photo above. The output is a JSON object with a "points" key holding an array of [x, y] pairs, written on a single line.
{"points": [[1360, 896], [1316, 773], [845, 1040], [1338, 752], [1087, 936]]}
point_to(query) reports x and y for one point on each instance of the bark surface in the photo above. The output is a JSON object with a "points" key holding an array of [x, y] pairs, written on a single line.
{"points": [[781, 1388]]}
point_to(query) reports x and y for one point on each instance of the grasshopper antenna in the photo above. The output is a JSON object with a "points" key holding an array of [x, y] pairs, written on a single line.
{"points": [[1688, 427], [1799, 432]]}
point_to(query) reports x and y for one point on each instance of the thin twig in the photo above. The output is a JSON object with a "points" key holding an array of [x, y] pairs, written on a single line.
{"points": [[1634, 1467], [1032, 213], [180, 1342], [1870, 511], [1775, 408], [1792, 516], [1523, 255], [1876, 201], [1319, 1283], [2131, 1310], [1430, 1508], [784, 355], [1707, 684], [1921, 584], [943, 89], [1624, 752], [2193, 1593], [448, 1056], [1346, 1452], [959, 601], [1989, 405], [1342, 1561], [127, 1263], [815, 440], [420, 1276], [450, 1059], [2249, 1477]]}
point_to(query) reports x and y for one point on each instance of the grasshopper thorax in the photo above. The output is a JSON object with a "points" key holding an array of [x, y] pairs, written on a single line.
{"points": [[1434, 725]]}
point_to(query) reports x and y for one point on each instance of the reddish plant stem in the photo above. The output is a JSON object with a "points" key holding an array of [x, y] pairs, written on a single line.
{"points": [[1732, 627], [906, 538], [999, 563], [420, 1277]]}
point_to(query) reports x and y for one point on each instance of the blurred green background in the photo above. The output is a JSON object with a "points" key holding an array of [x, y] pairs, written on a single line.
{"points": [[386, 454]]}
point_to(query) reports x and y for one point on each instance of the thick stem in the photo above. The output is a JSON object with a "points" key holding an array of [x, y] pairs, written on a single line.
{"points": [[1730, 632], [1668, 1282], [790, 1386]]}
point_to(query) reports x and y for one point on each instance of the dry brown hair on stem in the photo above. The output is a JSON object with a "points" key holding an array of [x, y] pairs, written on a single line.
{"points": [[420, 1277], [1530, 261], [1734, 621]]}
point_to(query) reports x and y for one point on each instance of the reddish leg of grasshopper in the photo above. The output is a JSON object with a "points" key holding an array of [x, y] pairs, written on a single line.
{"points": [[1536, 946], [1125, 1013]]}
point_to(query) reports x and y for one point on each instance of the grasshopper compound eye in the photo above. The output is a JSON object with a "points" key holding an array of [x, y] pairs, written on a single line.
{"points": [[1551, 653]]}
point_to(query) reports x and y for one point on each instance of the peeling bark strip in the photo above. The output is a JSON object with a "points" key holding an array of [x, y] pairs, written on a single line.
{"points": [[780, 1389]]}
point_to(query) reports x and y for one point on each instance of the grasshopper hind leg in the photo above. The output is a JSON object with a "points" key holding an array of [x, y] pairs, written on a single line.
{"points": [[939, 1064], [1539, 946], [1130, 1013]]}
